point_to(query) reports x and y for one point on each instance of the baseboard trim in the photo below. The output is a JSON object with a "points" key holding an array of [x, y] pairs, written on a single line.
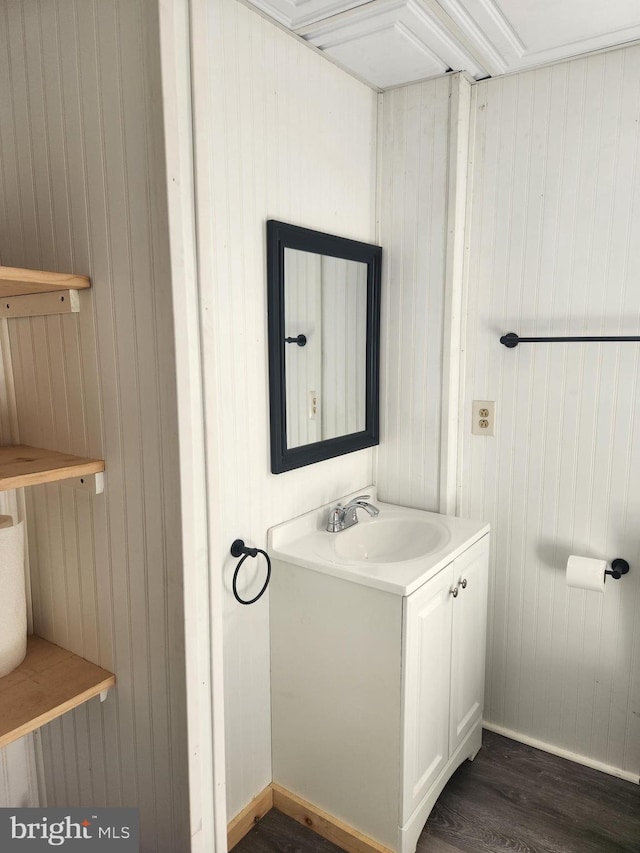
{"points": [[324, 824], [562, 753], [249, 817]]}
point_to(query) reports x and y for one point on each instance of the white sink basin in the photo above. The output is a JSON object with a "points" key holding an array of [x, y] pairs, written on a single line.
{"points": [[397, 551], [391, 540]]}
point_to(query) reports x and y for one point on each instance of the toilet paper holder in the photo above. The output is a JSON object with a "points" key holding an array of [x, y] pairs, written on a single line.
{"points": [[618, 568]]}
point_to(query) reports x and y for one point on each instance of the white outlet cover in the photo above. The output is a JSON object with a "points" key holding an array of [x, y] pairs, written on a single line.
{"points": [[484, 411], [313, 405]]}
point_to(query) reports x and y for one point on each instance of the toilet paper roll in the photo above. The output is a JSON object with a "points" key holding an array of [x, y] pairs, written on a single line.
{"points": [[586, 573], [13, 603]]}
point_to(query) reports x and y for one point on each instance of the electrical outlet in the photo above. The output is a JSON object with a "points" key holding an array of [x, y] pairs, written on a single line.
{"points": [[313, 405], [483, 420]]}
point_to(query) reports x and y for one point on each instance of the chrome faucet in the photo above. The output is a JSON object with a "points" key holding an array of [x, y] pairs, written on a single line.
{"points": [[342, 517]]}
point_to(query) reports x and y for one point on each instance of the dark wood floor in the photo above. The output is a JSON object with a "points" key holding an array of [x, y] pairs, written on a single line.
{"points": [[511, 798]]}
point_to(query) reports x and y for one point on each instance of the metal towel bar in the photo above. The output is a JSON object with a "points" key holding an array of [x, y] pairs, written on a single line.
{"points": [[512, 340]]}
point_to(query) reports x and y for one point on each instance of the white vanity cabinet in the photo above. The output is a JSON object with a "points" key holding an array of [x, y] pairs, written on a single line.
{"points": [[377, 696], [444, 629]]}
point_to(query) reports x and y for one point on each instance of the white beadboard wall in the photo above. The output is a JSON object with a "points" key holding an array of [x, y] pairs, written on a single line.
{"points": [[82, 190], [19, 775], [292, 137], [413, 233], [555, 250]]}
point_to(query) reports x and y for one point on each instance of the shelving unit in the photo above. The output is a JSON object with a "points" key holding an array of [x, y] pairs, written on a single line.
{"points": [[36, 293], [51, 680], [39, 291], [18, 282], [48, 683], [21, 465]]}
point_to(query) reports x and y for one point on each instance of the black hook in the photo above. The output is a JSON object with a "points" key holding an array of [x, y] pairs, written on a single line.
{"points": [[619, 567], [238, 548], [301, 340]]}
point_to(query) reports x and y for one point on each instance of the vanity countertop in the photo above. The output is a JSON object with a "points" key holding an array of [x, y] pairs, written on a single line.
{"points": [[355, 557]]}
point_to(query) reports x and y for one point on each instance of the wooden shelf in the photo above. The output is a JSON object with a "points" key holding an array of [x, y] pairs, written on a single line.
{"points": [[18, 282], [21, 465], [48, 683]]}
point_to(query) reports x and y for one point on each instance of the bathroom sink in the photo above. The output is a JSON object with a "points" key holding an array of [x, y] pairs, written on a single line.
{"points": [[391, 539], [396, 551]]}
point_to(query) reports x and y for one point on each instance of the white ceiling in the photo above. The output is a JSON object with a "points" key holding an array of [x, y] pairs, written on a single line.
{"points": [[390, 42]]}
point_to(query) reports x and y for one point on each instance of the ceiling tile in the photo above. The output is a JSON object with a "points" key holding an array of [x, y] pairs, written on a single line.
{"points": [[390, 42], [387, 57], [523, 34], [298, 13]]}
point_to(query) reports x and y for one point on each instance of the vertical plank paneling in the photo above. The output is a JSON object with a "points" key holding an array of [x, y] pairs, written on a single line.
{"points": [[413, 233], [18, 775], [291, 138], [555, 249], [81, 143]]}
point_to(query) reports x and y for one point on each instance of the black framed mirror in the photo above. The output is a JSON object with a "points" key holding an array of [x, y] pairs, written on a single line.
{"points": [[324, 345]]}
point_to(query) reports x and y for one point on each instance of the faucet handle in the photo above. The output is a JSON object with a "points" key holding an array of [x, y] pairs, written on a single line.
{"points": [[336, 519], [358, 499]]}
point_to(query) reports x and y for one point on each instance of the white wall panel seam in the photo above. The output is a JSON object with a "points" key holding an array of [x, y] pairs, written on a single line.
{"points": [[63, 138], [108, 246], [505, 638], [413, 338], [82, 138], [635, 643], [459, 508], [151, 265], [5, 69], [398, 407], [11, 88], [580, 403], [457, 179], [529, 412], [27, 101], [46, 140]]}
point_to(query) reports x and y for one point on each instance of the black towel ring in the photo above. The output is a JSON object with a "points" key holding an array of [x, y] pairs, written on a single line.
{"points": [[239, 548]]}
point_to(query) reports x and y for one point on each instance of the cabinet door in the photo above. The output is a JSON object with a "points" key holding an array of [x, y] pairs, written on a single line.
{"points": [[468, 640], [426, 685]]}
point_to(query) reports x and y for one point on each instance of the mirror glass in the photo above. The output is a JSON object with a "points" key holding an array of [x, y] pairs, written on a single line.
{"points": [[326, 301], [324, 320]]}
